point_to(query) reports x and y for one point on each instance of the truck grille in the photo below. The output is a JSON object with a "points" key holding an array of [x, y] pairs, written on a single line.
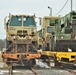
{"points": [[20, 32]]}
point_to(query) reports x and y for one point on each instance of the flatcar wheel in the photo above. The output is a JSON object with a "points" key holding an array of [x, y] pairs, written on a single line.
{"points": [[8, 62], [27, 63], [33, 61], [56, 62], [30, 63]]}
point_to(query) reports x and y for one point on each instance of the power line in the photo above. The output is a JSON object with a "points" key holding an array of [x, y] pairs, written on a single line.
{"points": [[62, 7]]}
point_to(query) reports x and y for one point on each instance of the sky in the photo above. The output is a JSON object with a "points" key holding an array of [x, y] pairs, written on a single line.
{"points": [[37, 7]]}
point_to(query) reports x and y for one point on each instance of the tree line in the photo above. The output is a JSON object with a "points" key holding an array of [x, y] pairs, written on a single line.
{"points": [[2, 43]]}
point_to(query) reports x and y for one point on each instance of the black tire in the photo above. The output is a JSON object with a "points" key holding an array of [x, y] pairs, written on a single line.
{"points": [[43, 45], [8, 43]]}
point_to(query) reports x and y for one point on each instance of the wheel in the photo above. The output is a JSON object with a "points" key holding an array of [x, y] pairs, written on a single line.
{"points": [[52, 43], [8, 43], [44, 45]]}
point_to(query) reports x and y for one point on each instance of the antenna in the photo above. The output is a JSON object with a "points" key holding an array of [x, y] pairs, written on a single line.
{"points": [[71, 5]]}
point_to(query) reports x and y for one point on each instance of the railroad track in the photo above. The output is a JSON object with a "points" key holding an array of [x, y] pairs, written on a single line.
{"points": [[67, 69], [34, 71], [62, 67], [31, 69], [70, 70], [10, 70], [69, 65]]}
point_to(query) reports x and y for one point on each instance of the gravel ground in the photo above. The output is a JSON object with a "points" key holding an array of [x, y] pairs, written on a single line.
{"points": [[17, 72], [39, 71], [54, 72]]}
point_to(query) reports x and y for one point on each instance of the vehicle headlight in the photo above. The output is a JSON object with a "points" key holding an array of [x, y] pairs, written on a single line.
{"points": [[62, 37], [75, 37], [14, 37], [34, 30], [29, 37]]}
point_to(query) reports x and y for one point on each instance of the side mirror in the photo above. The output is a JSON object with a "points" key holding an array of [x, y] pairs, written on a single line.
{"points": [[4, 23]]}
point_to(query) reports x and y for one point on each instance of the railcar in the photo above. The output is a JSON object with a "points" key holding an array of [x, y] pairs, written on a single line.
{"points": [[21, 40]]}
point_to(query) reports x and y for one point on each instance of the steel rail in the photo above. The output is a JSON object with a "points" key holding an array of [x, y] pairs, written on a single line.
{"points": [[69, 70], [34, 71]]}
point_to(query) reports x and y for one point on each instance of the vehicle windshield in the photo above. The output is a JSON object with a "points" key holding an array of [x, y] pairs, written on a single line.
{"points": [[52, 22], [49, 29], [18, 20], [28, 21]]}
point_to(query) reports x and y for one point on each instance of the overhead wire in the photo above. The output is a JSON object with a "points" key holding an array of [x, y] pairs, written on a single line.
{"points": [[62, 7]]}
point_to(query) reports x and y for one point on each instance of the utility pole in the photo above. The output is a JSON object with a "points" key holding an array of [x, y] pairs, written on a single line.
{"points": [[50, 10], [71, 5]]}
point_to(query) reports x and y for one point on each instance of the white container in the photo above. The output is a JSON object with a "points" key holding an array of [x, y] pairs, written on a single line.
{"points": [[52, 64]]}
